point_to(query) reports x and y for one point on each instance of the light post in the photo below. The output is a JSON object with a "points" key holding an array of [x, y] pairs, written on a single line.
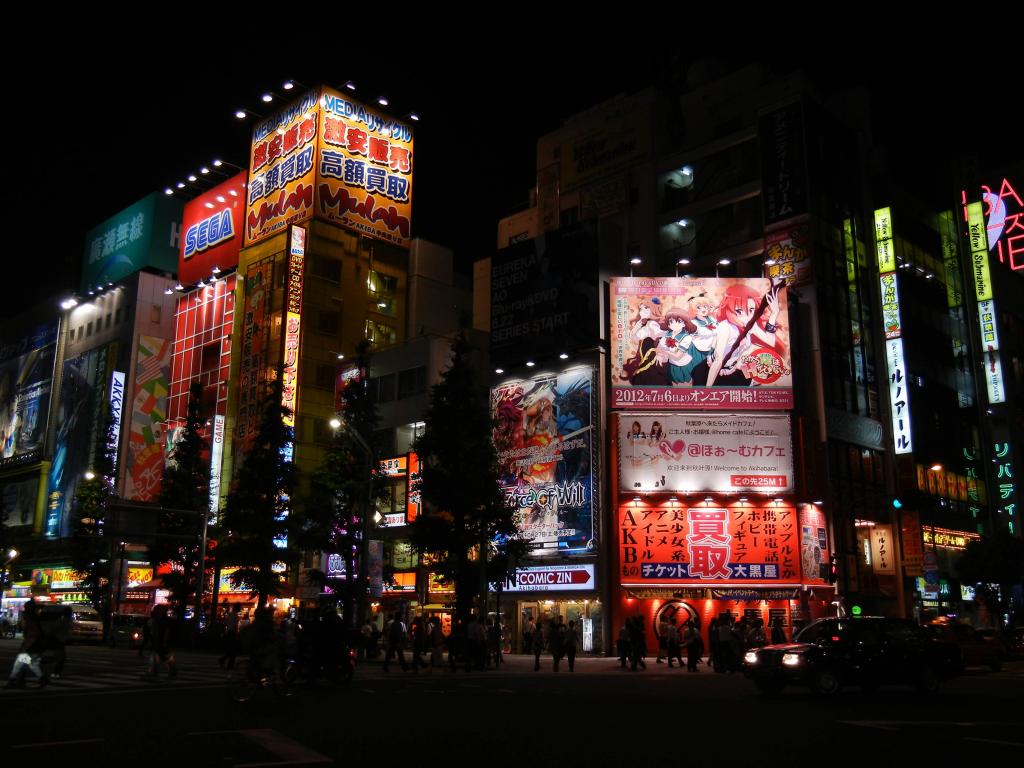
{"points": [[8, 559], [339, 421]]}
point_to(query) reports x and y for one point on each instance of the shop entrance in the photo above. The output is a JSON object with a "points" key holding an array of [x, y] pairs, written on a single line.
{"points": [[588, 615]]}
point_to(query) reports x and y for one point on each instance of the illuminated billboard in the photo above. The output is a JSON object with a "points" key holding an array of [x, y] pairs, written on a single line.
{"points": [[695, 452], [146, 234], [293, 324], [1004, 229], [85, 385], [211, 229], [333, 158], [899, 383], [145, 464], [987, 318], [702, 343], [708, 543], [26, 374], [547, 456]]}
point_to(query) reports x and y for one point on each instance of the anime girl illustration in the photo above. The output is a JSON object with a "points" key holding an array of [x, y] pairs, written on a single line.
{"points": [[741, 325], [647, 365]]}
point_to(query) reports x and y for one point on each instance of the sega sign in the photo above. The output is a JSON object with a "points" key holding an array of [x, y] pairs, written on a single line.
{"points": [[211, 226], [208, 233]]}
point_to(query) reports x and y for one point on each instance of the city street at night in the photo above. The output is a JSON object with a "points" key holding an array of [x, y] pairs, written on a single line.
{"points": [[598, 715]]}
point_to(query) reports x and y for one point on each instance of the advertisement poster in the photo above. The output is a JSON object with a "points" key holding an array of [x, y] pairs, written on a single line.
{"points": [[814, 551], [550, 578], [700, 343], [913, 543], [882, 561], [26, 373], [258, 292], [19, 499], [149, 412], [692, 452], [80, 419], [547, 450], [787, 254], [742, 544], [364, 169]]}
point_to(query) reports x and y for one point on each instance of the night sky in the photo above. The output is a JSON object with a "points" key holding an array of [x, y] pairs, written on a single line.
{"points": [[139, 118]]}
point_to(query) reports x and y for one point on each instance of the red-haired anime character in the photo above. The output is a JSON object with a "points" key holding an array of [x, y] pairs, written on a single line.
{"points": [[743, 325]]}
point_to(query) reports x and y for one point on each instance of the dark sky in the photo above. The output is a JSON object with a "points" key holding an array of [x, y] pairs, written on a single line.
{"points": [[127, 121]]}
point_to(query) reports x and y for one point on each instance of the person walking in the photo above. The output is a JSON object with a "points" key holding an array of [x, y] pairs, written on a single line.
{"points": [[57, 639], [396, 634], [662, 639], [694, 646], [672, 643], [162, 650], [778, 633], [538, 645], [638, 644], [29, 656], [435, 639], [227, 659], [571, 644], [557, 643], [528, 630], [622, 644]]}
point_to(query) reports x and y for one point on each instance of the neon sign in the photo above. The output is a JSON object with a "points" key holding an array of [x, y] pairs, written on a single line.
{"points": [[986, 307], [899, 391]]}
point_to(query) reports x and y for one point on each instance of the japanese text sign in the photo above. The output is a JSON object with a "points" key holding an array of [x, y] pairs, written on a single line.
{"points": [[739, 544], [694, 452], [882, 557]]}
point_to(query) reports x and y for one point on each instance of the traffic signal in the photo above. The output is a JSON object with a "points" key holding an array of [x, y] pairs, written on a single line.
{"points": [[833, 569]]}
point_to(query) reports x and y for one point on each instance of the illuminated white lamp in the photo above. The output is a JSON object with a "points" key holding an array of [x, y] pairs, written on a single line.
{"points": [[818, 502], [180, 185], [383, 101], [499, 371], [530, 363], [179, 287], [724, 262], [217, 163], [266, 98], [288, 85], [636, 498], [201, 284], [743, 498], [341, 356], [708, 499], [221, 199], [350, 85], [636, 260], [335, 423], [935, 467], [192, 177], [684, 223], [240, 114], [204, 170], [563, 356], [770, 262], [69, 303], [778, 501], [683, 262], [168, 291], [168, 191], [414, 116], [673, 499], [215, 270], [209, 205]]}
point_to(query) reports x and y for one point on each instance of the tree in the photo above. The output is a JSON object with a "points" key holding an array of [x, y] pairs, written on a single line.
{"points": [[185, 489], [90, 548], [996, 559], [343, 488], [256, 522], [460, 485]]}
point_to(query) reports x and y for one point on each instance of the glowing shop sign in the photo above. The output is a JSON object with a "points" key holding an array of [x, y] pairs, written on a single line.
{"points": [[987, 318], [899, 389]]}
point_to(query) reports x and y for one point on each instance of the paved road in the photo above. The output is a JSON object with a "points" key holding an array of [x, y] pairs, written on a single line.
{"points": [[103, 713]]}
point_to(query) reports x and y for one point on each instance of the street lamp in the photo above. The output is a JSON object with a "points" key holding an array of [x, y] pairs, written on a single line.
{"points": [[8, 559]]}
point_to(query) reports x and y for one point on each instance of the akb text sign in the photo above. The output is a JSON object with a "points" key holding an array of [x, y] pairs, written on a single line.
{"points": [[553, 578]]}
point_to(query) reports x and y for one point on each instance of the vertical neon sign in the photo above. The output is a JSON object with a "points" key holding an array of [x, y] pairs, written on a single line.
{"points": [[986, 307], [899, 388]]}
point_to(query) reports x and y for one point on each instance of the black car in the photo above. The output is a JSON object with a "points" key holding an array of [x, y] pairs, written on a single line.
{"points": [[866, 651]]}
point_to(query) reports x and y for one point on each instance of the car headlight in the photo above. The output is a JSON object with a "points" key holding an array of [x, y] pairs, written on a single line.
{"points": [[792, 659], [750, 657]]}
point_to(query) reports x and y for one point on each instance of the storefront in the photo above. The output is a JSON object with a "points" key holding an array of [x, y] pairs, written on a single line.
{"points": [[544, 593]]}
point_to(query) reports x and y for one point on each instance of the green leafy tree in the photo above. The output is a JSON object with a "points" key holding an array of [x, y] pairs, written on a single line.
{"points": [[343, 489], [466, 513], [90, 546], [256, 519], [184, 500]]}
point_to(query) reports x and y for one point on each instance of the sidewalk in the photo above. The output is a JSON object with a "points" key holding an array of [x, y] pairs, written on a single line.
{"points": [[522, 664]]}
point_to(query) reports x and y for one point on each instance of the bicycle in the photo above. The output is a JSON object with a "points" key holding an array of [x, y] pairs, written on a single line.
{"points": [[245, 679]]}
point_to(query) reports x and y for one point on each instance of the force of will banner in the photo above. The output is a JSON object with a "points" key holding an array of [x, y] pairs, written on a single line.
{"points": [[149, 412], [740, 543], [700, 343], [546, 446]]}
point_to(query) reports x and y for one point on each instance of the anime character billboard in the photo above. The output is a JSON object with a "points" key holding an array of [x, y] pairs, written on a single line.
{"points": [[700, 343], [547, 455]]}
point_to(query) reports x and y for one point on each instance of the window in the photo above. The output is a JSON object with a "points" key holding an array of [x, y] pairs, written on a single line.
{"points": [[328, 269], [328, 322], [107, 323], [405, 436], [386, 388], [323, 376], [380, 334], [412, 382], [88, 329]]}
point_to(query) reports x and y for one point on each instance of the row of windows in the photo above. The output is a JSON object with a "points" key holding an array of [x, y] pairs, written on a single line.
{"points": [[86, 330], [409, 383]]}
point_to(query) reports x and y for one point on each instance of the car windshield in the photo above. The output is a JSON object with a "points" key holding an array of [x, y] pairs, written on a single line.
{"points": [[87, 615]]}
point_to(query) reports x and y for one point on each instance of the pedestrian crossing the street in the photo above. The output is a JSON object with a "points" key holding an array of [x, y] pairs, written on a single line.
{"points": [[124, 677]]}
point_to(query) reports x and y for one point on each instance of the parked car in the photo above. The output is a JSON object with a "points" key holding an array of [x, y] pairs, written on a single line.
{"points": [[866, 651], [974, 650], [126, 630], [86, 624]]}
